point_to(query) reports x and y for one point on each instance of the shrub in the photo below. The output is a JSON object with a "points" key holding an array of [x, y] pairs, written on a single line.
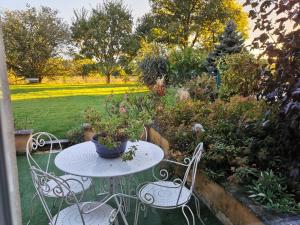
{"points": [[282, 87], [241, 140], [202, 88], [230, 42], [153, 67], [240, 74], [270, 190], [76, 135], [226, 145], [186, 64]]}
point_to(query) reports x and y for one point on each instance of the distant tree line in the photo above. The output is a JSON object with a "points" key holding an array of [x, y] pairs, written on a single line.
{"points": [[102, 39]]}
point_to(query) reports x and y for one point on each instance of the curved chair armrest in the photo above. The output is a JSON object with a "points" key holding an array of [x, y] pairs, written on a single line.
{"points": [[84, 207], [74, 180], [177, 183], [71, 197], [186, 162], [164, 173]]}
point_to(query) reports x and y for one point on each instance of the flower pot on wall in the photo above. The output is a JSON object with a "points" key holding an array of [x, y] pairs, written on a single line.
{"points": [[21, 139]]}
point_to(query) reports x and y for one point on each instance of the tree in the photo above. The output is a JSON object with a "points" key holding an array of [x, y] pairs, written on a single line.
{"points": [[145, 26], [231, 41], [186, 64], [153, 67], [191, 22], [240, 74], [103, 34], [278, 23], [31, 37]]}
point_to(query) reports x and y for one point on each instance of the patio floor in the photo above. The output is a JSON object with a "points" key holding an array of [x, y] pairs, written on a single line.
{"points": [[154, 217]]}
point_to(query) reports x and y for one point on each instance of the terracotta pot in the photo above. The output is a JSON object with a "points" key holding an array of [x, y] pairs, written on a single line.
{"points": [[21, 139]]}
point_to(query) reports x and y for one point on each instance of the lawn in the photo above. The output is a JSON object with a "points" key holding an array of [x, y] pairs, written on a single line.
{"points": [[57, 108], [154, 217]]}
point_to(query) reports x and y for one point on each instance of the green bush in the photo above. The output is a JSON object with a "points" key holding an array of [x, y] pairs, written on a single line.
{"points": [[76, 135], [240, 74], [202, 88], [186, 64], [221, 120], [240, 141], [271, 191], [153, 67]]}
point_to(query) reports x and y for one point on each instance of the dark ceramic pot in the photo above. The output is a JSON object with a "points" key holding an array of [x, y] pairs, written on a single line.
{"points": [[107, 153]]}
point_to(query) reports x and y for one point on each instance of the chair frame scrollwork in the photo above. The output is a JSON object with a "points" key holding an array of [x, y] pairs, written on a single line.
{"points": [[40, 140], [190, 165], [62, 190]]}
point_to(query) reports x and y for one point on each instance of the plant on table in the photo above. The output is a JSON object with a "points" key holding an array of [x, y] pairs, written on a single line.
{"points": [[124, 121]]}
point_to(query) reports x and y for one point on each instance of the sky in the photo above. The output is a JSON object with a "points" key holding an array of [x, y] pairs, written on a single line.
{"points": [[66, 7]]}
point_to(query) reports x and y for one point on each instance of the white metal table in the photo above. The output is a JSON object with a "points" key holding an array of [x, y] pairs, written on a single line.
{"points": [[83, 160]]}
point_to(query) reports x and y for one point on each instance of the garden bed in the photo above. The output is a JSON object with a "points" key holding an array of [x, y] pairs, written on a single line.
{"points": [[228, 202]]}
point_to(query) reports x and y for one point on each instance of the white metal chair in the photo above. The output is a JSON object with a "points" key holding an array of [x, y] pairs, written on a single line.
{"points": [[75, 183], [167, 193], [75, 212]]}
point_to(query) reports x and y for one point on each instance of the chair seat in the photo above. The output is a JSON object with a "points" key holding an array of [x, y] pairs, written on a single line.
{"points": [[71, 215], [74, 186], [164, 194]]}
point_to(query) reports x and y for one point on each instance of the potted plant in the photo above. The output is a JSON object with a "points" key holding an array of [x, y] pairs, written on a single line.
{"points": [[22, 134], [124, 121], [76, 135]]}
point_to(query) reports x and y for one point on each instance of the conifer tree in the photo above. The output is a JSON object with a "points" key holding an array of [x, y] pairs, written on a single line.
{"points": [[230, 42]]}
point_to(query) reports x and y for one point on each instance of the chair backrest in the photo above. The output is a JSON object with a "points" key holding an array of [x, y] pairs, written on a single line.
{"points": [[58, 187], [191, 171], [42, 140]]}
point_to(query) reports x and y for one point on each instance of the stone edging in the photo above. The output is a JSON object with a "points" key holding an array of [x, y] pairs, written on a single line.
{"points": [[228, 205]]}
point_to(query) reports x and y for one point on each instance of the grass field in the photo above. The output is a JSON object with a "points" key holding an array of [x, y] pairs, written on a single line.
{"points": [[57, 108]]}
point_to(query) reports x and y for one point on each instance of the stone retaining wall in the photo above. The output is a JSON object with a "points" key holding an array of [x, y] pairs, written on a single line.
{"points": [[225, 207]]}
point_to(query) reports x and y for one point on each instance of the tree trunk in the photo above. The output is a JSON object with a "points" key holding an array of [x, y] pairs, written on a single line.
{"points": [[108, 78]]}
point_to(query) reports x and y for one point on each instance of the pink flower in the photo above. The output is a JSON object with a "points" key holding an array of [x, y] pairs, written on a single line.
{"points": [[161, 81], [122, 109]]}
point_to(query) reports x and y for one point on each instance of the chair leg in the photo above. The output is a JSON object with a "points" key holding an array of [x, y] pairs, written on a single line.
{"points": [[54, 204], [185, 216], [197, 204], [137, 211], [94, 188], [31, 208]]}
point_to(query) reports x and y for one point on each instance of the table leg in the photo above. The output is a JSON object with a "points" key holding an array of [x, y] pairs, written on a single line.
{"points": [[124, 202], [113, 182], [121, 211]]}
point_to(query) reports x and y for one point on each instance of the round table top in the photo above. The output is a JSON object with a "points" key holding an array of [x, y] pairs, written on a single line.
{"points": [[83, 160]]}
